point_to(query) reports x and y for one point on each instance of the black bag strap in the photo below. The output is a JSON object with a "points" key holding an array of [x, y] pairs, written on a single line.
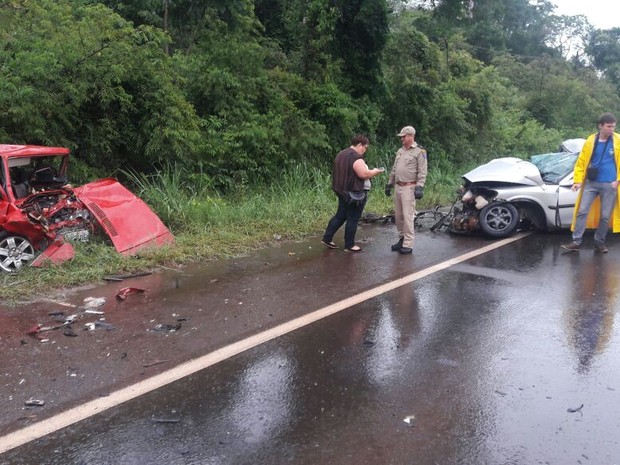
{"points": [[602, 153]]}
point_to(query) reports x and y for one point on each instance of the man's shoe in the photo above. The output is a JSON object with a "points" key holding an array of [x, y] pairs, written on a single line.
{"points": [[396, 247], [602, 248], [572, 247], [405, 250]]}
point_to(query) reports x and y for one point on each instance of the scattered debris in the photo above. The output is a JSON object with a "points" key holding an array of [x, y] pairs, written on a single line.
{"points": [[99, 324], [33, 331], [69, 332], [165, 420], [94, 312], [410, 420], [56, 313], [50, 328], [34, 403], [164, 328], [155, 362], [575, 410], [39, 328], [93, 302], [368, 343], [122, 294], [104, 325], [501, 393]]}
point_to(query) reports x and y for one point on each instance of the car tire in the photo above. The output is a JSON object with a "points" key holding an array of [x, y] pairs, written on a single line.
{"points": [[499, 219], [15, 252]]}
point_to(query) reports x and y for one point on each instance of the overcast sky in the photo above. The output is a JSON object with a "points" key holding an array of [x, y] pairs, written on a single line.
{"points": [[602, 14]]}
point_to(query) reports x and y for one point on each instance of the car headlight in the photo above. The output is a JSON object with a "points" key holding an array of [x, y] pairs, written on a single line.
{"points": [[468, 197], [481, 202]]}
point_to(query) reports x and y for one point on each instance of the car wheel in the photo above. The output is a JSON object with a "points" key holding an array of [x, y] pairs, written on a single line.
{"points": [[15, 252], [499, 219]]}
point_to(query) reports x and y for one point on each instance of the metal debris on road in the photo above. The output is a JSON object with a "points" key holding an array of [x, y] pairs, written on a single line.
{"points": [[69, 332], [575, 410], [410, 420], [98, 324], [154, 362], [164, 328], [34, 403], [94, 302], [94, 312]]}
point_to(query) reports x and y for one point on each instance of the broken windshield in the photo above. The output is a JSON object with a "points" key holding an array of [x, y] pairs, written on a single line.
{"points": [[554, 167]]}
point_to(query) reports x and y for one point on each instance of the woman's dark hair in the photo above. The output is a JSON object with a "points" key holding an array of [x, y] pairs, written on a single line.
{"points": [[359, 139]]}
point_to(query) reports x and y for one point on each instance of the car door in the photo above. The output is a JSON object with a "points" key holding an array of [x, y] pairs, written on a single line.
{"points": [[566, 202]]}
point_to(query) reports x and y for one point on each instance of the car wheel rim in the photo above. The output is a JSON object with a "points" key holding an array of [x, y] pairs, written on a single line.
{"points": [[15, 252], [499, 218]]}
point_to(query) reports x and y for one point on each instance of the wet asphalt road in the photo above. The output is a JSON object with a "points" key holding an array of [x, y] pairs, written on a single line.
{"points": [[510, 357]]}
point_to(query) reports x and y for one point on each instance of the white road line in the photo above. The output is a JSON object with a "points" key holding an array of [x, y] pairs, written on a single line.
{"points": [[93, 407]]}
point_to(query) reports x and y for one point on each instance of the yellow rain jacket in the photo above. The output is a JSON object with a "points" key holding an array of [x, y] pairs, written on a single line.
{"points": [[579, 176]]}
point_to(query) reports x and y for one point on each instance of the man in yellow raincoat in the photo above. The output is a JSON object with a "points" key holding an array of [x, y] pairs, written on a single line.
{"points": [[596, 176]]}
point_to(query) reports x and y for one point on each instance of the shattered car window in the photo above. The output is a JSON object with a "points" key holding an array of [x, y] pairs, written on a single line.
{"points": [[554, 167], [33, 174]]}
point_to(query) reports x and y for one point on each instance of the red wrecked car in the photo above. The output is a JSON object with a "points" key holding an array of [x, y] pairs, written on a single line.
{"points": [[40, 211]]}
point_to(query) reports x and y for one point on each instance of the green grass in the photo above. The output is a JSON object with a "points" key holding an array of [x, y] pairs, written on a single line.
{"points": [[208, 226]]}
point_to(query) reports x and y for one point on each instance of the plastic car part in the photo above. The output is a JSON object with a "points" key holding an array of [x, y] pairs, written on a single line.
{"points": [[499, 219], [15, 252], [56, 253]]}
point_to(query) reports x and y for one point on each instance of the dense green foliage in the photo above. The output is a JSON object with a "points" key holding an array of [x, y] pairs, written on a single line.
{"points": [[233, 91]]}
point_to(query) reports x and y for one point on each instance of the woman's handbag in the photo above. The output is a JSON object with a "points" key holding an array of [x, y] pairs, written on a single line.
{"points": [[356, 197]]}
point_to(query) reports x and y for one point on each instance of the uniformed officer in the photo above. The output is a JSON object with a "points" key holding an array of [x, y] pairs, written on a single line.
{"points": [[408, 176]]}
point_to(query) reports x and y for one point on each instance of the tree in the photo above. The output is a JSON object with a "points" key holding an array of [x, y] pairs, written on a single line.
{"points": [[604, 48], [80, 76]]}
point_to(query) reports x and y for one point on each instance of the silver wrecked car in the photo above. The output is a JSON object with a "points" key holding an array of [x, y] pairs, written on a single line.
{"points": [[508, 194]]}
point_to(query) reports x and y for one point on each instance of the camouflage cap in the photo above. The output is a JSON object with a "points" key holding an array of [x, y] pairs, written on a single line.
{"points": [[406, 130]]}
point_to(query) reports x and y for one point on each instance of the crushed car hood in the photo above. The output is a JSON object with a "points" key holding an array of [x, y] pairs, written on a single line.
{"points": [[509, 170], [127, 220]]}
